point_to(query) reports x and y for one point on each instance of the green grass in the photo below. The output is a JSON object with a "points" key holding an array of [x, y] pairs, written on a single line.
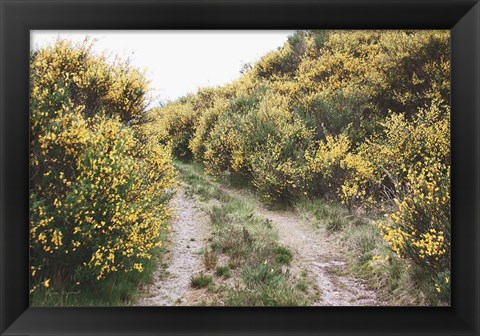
{"points": [[119, 289], [223, 272], [247, 242], [210, 258], [197, 184], [201, 281], [266, 286], [283, 255], [367, 253], [322, 213]]}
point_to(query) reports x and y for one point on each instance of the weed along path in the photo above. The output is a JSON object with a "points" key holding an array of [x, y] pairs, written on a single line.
{"points": [[226, 223], [171, 284], [317, 254]]}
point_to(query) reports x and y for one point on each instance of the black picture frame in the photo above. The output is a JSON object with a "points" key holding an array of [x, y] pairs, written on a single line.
{"points": [[18, 17]]}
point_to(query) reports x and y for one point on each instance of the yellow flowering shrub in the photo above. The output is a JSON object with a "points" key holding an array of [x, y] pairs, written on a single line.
{"points": [[406, 167], [360, 116], [284, 62], [397, 70], [360, 178], [324, 166], [277, 175], [223, 151], [113, 88], [224, 147], [175, 125], [98, 191], [205, 124], [276, 150], [420, 228], [381, 160]]}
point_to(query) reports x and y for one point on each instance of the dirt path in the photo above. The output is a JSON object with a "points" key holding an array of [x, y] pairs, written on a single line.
{"points": [[171, 286], [314, 252], [319, 255]]}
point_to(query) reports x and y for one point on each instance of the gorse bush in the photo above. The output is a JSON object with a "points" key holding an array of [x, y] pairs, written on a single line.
{"points": [[328, 84], [175, 126], [204, 126], [325, 165], [98, 187], [406, 167], [115, 89], [419, 228], [360, 117], [380, 164]]}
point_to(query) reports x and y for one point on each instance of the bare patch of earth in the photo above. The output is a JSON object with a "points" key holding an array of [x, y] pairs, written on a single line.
{"points": [[319, 255], [171, 284]]}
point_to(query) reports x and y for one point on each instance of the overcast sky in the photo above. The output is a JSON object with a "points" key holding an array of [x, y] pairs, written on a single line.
{"points": [[179, 62]]}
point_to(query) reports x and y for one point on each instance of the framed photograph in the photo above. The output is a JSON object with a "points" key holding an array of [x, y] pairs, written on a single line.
{"points": [[228, 167]]}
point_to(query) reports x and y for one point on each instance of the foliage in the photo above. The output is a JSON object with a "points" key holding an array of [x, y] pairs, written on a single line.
{"points": [[89, 80], [174, 127], [360, 117], [325, 166], [98, 190], [201, 281], [380, 164], [248, 247], [420, 229]]}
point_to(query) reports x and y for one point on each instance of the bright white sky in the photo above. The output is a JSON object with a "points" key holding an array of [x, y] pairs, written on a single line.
{"points": [[178, 62]]}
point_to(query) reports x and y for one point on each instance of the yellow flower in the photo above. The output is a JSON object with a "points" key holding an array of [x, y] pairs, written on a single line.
{"points": [[138, 267]]}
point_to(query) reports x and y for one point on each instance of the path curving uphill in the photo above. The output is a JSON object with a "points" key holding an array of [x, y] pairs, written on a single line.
{"points": [[319, 255]]}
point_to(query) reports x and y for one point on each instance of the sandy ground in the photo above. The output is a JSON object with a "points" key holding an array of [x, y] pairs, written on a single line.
{"points": [[319, 255], [171, 285], [314, 252]]}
